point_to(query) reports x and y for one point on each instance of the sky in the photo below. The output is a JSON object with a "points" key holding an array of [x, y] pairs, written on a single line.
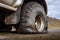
{"points": [[53, 8]]}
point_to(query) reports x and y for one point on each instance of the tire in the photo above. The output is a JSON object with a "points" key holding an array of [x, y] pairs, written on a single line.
{"points": [[5, 28], [33, 18]]}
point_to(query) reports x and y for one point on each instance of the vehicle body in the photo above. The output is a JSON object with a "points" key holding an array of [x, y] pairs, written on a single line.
{"points": [[11, 11]]}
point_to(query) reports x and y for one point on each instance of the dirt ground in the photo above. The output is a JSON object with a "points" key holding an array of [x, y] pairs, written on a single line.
{"points": [[53, 34]]}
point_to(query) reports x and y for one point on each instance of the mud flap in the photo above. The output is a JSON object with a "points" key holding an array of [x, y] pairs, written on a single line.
{"points": [[14, 18]]}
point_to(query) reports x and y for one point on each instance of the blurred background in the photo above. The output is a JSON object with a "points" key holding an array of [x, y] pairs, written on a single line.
{"points": [[53, 8], [53, 13]]}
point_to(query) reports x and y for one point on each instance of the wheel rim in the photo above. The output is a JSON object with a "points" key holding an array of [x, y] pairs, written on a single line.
{"points": [[39, 23]]}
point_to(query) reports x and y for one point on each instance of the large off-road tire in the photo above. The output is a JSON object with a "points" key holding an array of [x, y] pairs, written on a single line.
{"points": [[5, 28], [33, 18]]}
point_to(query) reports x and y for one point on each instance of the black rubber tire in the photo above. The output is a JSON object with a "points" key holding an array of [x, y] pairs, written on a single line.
{"points": [[30, 12], [5, 28]]}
